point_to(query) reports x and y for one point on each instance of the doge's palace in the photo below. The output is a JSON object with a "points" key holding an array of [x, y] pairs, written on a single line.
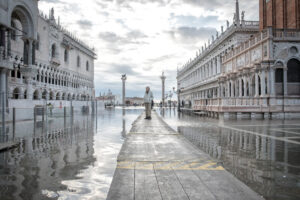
{"points": [[39, 59]]}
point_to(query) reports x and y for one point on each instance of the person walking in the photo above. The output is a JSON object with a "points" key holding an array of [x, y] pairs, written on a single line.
{"points": [[148, 98]]}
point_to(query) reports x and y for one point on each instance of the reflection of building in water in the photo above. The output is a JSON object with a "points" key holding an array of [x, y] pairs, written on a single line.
{"points": [[269, 166], [248, 69], [43, 161]]}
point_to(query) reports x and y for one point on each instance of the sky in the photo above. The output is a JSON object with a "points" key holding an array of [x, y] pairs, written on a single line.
{"points": [[143, 38]]}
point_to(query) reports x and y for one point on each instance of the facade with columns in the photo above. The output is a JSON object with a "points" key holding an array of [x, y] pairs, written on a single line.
{"points": [[39, 58], [245, 72]]}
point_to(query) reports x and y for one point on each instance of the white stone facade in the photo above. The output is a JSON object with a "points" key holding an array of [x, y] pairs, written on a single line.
{"points": [[245, 73], [39, 58]]}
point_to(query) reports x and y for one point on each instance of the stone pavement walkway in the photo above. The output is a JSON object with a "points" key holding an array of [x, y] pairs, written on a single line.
{"points": [[156, 162]]}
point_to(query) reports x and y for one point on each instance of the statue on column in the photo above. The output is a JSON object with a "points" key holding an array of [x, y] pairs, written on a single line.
{"points": [[243, 15], [227, 22]]}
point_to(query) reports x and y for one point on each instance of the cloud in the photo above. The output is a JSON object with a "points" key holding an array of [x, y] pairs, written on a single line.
{"points": [[131, 37], [52, 1], [144, 37], [211, 4], [191, 34], [85, 24], [121, 69]]}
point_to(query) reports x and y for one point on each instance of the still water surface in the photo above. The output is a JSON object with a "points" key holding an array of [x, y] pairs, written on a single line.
{"points": [[65, 159], [264, 154], [76, 159]]}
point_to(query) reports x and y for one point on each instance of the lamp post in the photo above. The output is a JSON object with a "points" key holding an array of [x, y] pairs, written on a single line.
{"points": [[163, 78]]}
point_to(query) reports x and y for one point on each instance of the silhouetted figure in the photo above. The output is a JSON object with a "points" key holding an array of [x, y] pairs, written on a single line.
{"points": [[148, 98]]}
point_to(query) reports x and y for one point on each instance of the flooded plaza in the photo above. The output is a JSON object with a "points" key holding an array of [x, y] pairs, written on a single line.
{"points": [[65, 159], [264, 154], [76, 158]]}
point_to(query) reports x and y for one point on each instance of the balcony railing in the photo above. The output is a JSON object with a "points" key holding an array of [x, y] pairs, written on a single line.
{"points": [[286, 34]]}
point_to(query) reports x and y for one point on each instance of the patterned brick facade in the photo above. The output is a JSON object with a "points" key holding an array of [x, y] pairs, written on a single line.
{"points": [[279, 14]]}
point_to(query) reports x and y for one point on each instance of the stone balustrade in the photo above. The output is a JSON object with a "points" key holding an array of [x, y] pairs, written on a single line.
{"points": [[248, 104]]}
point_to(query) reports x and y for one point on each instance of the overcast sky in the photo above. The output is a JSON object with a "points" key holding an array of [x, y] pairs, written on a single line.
{"points": [[142, 38]]}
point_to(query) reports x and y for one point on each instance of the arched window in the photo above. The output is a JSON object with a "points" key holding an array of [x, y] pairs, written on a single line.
{"points": [[16, 93], [66, 55], [293, 73], [229, 90], [78, 61], [293, 77], [13, 73], [87, 66], [18, 74], [36, 95], [259, 86], [53, 51], [253, 86], [279, 81], [243, 88]]}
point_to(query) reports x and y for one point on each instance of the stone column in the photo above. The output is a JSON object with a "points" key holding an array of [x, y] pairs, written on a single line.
{"points": [[256, 85], [8, 43], [272, 81], [245, 87], [228, 89], [33, 52], [124, 78], [285, 81], [218, 64], [221, 90], [263, 83], [29, 88], [3, 88], [30, 52]]}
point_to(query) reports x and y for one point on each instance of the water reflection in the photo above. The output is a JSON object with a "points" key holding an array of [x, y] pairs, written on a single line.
{"points": [[260, 153], [65, 159]]}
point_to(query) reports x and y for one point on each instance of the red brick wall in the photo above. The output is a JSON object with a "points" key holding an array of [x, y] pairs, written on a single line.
{"points": [[269, 13], [261, 14], [279, 14]]}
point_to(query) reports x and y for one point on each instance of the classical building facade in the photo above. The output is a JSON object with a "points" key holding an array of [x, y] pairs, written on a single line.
{"points": [[251, 69], [39, 59]]}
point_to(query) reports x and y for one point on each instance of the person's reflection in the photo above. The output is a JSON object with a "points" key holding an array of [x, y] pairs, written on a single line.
{"points": [[123, 123], [162, 112]]}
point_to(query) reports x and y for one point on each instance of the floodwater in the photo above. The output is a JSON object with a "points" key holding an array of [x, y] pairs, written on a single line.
{"points": [[264, 154], [65, 159]]}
